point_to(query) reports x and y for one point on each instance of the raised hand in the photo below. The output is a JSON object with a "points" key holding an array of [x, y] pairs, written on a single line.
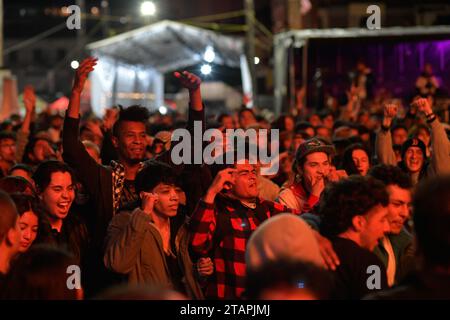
{"points": [[29, 98], [423, 105], [336, 175], [94, 128], [389, 113], [110, 117], [315, 184], [148, 201], [86, 67], [224, 180], [188, 80]]}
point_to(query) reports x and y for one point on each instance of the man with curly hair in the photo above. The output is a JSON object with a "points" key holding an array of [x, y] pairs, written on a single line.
{"points": [[354, 217]]}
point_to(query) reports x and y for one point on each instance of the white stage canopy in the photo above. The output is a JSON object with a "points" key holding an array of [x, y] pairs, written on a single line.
{"points": [[132, 65]]}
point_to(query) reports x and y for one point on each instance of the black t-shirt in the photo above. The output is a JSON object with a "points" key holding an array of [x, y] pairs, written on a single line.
{"points": [[176, 275], [352, 275]]}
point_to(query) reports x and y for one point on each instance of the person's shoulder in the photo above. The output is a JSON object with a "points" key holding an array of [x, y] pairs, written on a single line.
{"points": [[273, 205], [404, 238], [286, 191], [354, 251], [122, 216]]}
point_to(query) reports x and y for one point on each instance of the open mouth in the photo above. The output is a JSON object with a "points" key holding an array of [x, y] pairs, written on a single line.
{"points": [[63, 206]]}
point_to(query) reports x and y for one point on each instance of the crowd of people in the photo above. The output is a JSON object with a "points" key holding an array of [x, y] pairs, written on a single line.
{"points": [[358, 209]]}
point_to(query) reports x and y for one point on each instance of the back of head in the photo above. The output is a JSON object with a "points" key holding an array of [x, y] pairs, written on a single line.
{"points": [[391, 175], [8, 215], [283, 236], [23, 167], [40, 274], [431, 215], [347, 198]]}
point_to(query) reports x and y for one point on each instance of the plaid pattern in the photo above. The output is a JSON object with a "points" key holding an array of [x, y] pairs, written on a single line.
{"points": [[221, 231]]}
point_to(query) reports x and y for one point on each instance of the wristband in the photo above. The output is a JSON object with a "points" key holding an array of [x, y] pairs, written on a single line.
{"points": [[431, 119], [384, 128]]}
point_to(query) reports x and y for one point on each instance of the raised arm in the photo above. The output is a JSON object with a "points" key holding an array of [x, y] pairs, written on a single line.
{"points": [[75, 153], [191, 82], [384, 149], [203, 221], [73, 111], [440, 156], [29, 100]]}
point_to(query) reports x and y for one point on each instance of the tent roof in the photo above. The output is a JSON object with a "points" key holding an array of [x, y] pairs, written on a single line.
{"points": [[363, 33], [168, 45]]}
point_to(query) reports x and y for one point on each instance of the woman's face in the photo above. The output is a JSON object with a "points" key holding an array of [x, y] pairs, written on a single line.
{"points": [[28, 224], [59, 195]]}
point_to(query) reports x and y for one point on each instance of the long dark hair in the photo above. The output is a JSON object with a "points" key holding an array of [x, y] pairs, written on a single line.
{"points": [[347, 162]]}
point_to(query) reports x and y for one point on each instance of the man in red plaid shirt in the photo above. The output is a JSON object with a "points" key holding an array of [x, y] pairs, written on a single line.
{"points": [[222, 224]]}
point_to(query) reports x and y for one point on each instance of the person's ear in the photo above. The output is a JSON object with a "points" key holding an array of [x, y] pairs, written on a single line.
{"points": [[11, 237], [358, 222], [115, 142]]}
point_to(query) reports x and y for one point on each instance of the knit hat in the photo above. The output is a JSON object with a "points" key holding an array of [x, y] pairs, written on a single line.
{"points": [[283, 236], [414, 142], [313, 145]]}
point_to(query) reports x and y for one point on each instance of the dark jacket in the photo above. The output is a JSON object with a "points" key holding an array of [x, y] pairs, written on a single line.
{"points": [[403, 251]]}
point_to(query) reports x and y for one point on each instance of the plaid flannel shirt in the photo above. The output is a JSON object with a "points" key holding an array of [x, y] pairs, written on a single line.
{"points": [[221, 231]]}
